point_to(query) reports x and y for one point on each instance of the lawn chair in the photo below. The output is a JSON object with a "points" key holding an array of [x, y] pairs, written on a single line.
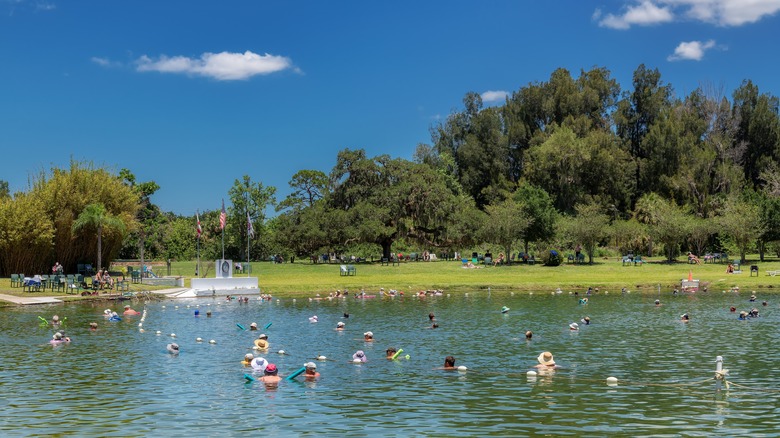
{"points": [[638, 260], [15, 280]]}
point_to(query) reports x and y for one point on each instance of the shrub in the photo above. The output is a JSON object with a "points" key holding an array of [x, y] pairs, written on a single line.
{"points": [[552, 258]]}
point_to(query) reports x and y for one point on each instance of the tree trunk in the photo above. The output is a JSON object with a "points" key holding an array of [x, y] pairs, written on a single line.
{"points": [[386, 246], [99, 248]]}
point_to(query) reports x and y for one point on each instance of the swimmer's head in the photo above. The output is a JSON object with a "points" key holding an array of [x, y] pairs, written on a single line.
{"points": [[271, 370], [529, 334], [248, 357]]}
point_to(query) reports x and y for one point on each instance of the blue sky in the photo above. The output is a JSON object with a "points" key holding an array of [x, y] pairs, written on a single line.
{"points": [[195, 94]]}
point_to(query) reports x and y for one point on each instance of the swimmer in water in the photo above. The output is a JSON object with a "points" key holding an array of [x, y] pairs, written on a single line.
{"points": [[253, 326], [685, 317], [93, 326], [340, 326], [449, 363], [390, 353], [247, 359], [546, 361], [311, 371], [270, 377], [368, 337], [431, 316], [262, 342], [529, 334]]}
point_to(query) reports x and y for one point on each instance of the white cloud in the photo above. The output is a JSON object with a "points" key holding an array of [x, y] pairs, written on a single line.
{"points": [[645, 13], [222, 66], [494, 96], [719, 12], [103, 62], [691, 51]]}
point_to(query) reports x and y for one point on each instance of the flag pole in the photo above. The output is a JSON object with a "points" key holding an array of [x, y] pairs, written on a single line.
{"points": [[199, 230], [222, 223]]}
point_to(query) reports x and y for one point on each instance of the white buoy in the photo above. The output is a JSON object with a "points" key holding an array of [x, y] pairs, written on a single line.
{"points": [[356, 360], [462, 369], [280, 351], [140, 324], [531, 373], [212, 342], [175, 307], [173, 335], [158, 332], [141, 330], [163, 307], [321, 358], [198, 339], [612, 381]]}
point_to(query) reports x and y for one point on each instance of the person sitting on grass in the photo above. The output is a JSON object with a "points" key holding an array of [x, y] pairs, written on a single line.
{"points": [[693, 258]]}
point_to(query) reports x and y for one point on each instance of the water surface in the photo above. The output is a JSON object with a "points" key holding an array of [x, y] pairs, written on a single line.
{"points": [[118, 381]]}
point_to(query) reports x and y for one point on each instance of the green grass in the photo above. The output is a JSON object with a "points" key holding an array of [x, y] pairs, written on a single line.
{"points": [[307, 278], [304, 278]]}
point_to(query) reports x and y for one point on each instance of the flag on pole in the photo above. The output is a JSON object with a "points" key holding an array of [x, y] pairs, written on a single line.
{"points": [[250, 230], [197, 219], [222, 217]]}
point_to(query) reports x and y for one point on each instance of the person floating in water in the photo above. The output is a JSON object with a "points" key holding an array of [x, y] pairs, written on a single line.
{"points": [[431, 316], [247, 359], [270, 377], [546, 361], [340, 326], [368, 337], [390, 353], [449, 363], [685, 317], [261, 343], [529, 334], [311, 371]]}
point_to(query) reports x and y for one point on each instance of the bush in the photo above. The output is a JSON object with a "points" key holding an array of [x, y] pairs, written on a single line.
{"points": [[552, 258]]}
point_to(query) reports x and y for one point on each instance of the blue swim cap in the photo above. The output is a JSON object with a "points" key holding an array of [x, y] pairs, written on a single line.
{"points": [[197, 312]]}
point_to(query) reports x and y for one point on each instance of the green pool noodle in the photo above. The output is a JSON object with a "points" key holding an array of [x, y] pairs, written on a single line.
{"points": [[400, 350]]}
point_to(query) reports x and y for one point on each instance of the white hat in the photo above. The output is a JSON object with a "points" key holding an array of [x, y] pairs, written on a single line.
{"points": [[254, 324], [340, 324], [259, 364], [58, 335], [249, 356], [310, 365], [173, 348], [574, 326], [369, 334], [262, 336]]}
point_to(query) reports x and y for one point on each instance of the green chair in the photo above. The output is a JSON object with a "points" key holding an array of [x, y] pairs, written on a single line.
{"points": [[15, 280]]}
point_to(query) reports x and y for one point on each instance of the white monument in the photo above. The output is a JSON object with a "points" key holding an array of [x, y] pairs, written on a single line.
{"points": [[223, 283]]}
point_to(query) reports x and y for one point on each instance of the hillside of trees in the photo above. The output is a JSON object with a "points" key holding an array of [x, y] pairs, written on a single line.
{"points": [[565, 162]]}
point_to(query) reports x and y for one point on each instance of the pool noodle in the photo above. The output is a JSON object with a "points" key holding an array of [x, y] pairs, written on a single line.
{"points": [[400, 350], [43, 319], [296, 374], [249, 378], [240, 326], [268, 325]]}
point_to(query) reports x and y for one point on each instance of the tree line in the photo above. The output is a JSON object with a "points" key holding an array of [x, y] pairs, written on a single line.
{"points": [[563, 162]]}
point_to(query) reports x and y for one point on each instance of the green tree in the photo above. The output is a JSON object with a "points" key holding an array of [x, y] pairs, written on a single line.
{"points": [[504, 224], [629, 236], [588, 228], [538, 206], [25, 235], [758, 131], [700, 233], [96, 217], [741, 225], [5, 191], [670, 227], [249, 201]]}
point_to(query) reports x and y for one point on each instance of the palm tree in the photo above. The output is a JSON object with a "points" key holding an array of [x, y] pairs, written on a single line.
{"points": [[95, 216]]}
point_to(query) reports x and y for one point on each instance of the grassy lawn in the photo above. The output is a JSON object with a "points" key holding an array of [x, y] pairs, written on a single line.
{"points": [[305, 278]]}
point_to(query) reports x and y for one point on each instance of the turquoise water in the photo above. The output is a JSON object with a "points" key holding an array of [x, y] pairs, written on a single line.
{"points": [[117, 381]]}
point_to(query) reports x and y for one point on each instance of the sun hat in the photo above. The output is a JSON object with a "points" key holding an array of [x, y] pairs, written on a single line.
{"points": [[359, 355], [546, 358], [574, 326], [127, 306], [259, 364], [271, 368], [369, 334], [310, 365], [173, 348], [55, 318], [249, 356]]}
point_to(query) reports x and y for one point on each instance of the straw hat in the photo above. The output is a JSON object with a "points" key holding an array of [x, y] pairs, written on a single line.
{"points": [[546, 358]]}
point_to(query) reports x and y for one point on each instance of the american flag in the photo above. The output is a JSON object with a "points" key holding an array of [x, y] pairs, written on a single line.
{"points": [[197, 219], [222, 217], [250, 230]]}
